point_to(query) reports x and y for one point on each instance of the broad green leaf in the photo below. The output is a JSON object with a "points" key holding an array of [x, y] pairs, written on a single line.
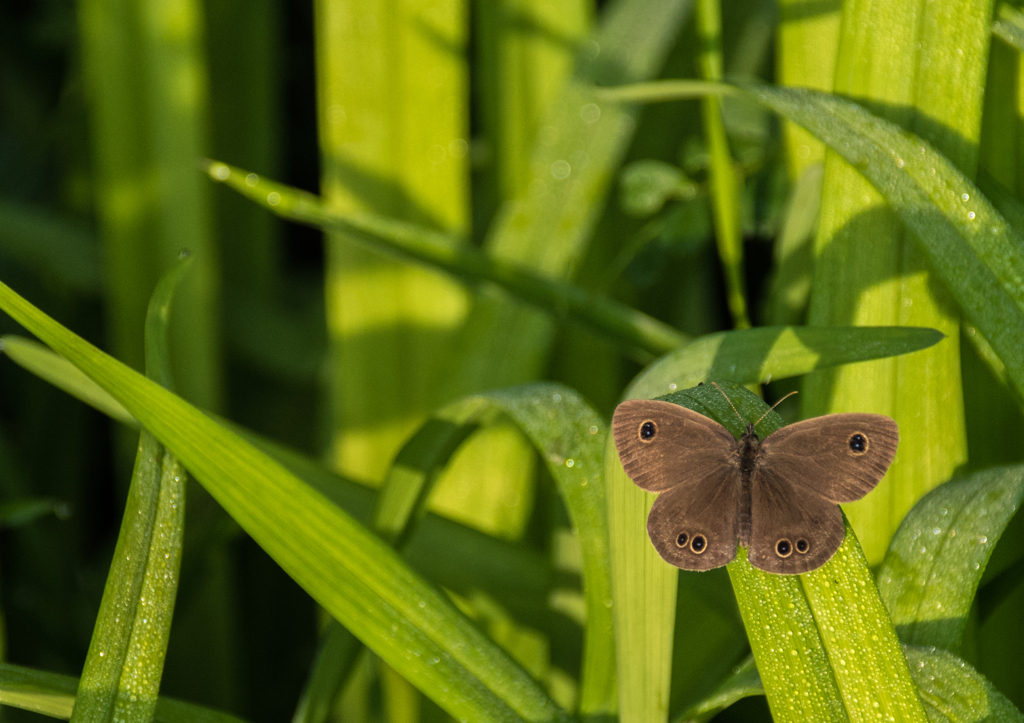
{"points": [[968, 243], [936, 560], [954, 692], [343, 566], [822, 633], [54, 695], [644, 587], [743, 683], [62, 374], [124, 665]]}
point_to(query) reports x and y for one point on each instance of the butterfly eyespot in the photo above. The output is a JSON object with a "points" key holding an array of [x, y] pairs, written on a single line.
{"points": [[802, 546], [698, 544], [647, 431], [858, 443], [682, 539], [783, 548]]}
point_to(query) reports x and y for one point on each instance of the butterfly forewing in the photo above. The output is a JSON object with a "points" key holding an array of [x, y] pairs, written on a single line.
{"points": [[662, 444], [840, 457]]}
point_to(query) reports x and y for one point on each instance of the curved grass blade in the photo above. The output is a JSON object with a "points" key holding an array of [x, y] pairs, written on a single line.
{"points": [[61, 373], [347, 569], [743, 683], [936, 559], [54, 695], [825, 628], [969, 244], [640, 335], [724, 185], [954, 692], [124, 665], [569, 436], [457, 557], [754, 356]]}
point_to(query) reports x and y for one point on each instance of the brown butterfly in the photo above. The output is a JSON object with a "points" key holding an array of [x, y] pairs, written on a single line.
{"points": [[775, 496]]}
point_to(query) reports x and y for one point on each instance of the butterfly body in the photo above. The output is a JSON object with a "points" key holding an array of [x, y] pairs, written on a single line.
{"points": [[776, 496]]}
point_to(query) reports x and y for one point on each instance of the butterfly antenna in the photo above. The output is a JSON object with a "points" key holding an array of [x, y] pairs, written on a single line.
{"points": [[744, 421], [773, 407]]}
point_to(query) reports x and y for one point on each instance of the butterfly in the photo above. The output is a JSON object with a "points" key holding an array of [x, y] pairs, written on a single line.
{"points": [[776, 496]]}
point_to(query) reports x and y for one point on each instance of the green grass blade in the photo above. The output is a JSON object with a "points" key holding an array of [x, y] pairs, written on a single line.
{"points": [[570, 437], [954, 692], [456, 557], [54, 695], [643, 586], [822, 641], [24, 511], [347, 569], [640, 334], [968, 243], [743, 683], [334, 662], [725, 192], [935, 562], [818, 634], [757, 356], [124, 666], [61, 373]]}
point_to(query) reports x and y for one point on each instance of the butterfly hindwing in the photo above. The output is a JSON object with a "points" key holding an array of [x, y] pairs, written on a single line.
{"points": [[696, 526], [791, 531]]}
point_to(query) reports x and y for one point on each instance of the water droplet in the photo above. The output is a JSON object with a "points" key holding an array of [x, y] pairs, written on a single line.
{"points": [[273, 198], [570, 462], [899, 163], [982, 540], [593, 430], [560, 170], [936, 531], [458, 148], [970, 215], [556, 397], [590, 113], [965, 197], [672, 386], [220, 171], [943, 511], [251, 180]]}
